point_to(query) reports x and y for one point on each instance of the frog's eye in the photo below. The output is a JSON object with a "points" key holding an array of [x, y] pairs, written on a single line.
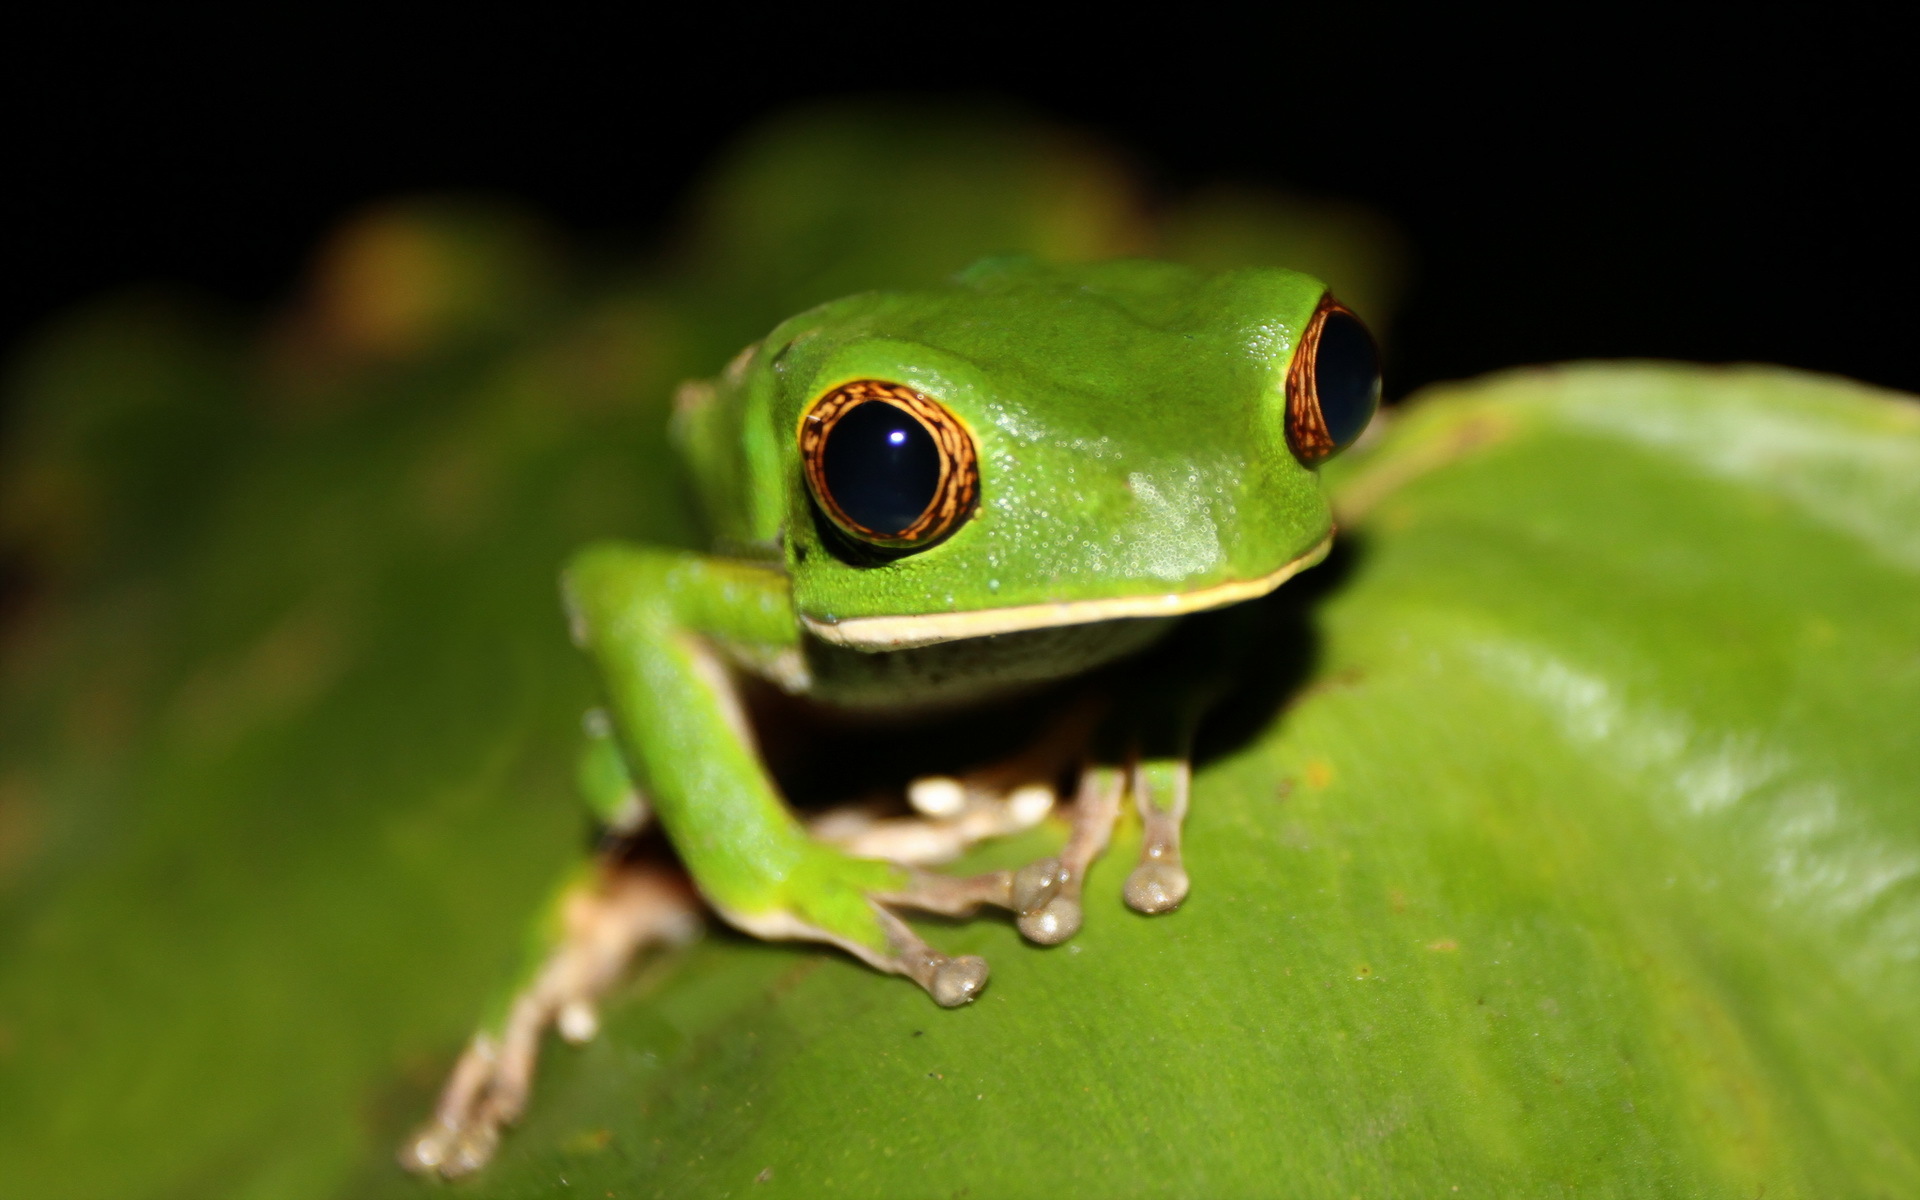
{"points": [[1333, 385], [888, 465]]}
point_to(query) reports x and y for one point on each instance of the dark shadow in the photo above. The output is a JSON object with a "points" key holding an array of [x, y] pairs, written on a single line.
{"points": [[1278, 645], [1255, 657], [19, 585], [822, 757]]}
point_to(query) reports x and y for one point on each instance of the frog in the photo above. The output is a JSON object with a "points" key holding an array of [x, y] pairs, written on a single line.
{"points": [[924, 501]]}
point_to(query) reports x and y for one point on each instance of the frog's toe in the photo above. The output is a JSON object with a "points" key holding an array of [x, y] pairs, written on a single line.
{"points": [[957, 981], [451, 1150], [427, 1148], [472, 1150], [1052, 923], [464, 1129], [1156, 887], [1035, 885], [1047, 892], [951, 980], [940, 797], [1041, 895], [1160, 789], [578, 1022]]}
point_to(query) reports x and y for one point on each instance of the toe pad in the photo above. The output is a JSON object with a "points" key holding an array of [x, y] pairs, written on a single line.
{"points": [[1156, 887], [1052, 924], [958, 980]]}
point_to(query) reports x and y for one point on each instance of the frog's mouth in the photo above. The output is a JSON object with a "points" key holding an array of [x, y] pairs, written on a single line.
{"points": [[927, 629]]}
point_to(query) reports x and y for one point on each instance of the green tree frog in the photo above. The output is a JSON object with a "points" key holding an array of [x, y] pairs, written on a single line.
{"points": [[922, 501]]}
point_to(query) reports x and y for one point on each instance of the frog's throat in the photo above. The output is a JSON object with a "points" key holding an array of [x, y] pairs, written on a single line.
{"points": [[927, 629]]}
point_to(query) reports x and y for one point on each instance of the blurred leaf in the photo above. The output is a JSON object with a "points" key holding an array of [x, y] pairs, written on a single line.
{"points": [[1358, 253], [121, 418], [842, 198]]}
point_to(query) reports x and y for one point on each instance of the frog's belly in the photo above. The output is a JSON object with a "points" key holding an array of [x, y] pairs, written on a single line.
{"points": [[956, 673]]}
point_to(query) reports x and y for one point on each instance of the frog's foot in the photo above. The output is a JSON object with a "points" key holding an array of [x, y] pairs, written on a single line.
{"points": [[1160, 789], [603, 924], [1044, 895]]}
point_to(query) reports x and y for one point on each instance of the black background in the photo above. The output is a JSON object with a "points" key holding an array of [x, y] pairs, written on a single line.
{"points": [[1630, 185]]}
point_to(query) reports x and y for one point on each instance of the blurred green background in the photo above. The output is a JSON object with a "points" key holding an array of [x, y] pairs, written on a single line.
{"points": [[1585, 860]]}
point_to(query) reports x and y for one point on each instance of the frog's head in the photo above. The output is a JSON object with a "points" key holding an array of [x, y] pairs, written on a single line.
{"points": [[1034, 446]]}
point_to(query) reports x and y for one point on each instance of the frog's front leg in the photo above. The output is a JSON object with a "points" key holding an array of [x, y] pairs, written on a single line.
{"points": [[1165, 715], [651, 620], [1145, 748], [1160, 785]]}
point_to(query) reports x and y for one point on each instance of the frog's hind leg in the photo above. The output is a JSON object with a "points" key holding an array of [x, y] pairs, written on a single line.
{"points": [[1160, 751], [599, 921]]}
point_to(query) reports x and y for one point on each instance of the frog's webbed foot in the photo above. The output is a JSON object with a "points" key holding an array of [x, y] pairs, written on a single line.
{"points": [[603, 925]]}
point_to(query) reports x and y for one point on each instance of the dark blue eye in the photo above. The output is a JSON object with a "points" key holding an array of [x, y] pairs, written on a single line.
{"points": [[1333, 386], [881, 467], [1346, 374], [888, 465]]}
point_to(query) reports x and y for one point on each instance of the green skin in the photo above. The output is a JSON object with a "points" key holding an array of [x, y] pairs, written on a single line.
{"points": [[1133, 460]]}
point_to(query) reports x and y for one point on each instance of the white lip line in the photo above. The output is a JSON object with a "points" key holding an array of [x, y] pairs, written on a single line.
{"points": [[927, 629]]}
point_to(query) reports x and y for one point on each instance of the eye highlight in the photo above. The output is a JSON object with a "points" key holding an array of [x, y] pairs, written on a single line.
{"points": [[1333, 386], [889, 465]]}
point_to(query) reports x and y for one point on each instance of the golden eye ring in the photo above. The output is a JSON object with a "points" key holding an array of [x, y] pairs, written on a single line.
{"points": [[1333, 384], [889, 465]]}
